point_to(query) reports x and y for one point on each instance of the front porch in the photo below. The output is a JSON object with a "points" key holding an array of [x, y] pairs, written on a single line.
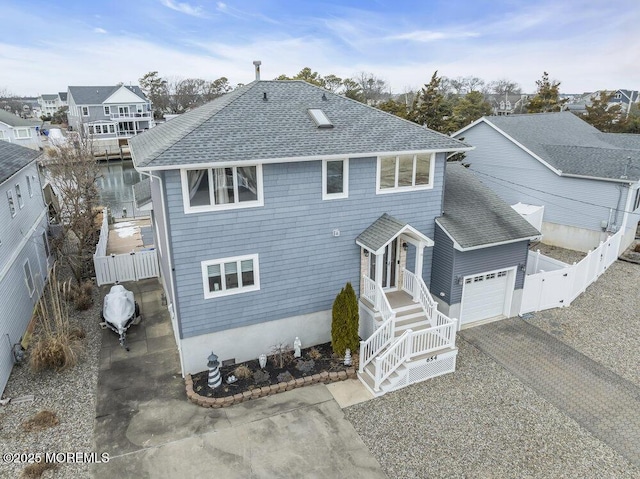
{"points": [[408, 339]]}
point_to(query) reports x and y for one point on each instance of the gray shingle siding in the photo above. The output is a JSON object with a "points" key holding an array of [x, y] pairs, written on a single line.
{"points": [[302, 266], [489, 259], [503, 167]]}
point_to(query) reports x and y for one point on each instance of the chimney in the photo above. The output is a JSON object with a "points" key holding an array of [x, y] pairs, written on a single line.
{"points": [[257, 64]]}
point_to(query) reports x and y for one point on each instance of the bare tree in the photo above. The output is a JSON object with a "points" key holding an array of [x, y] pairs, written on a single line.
{"points": [[73, 171], [372, 87], [464, 85], [504, 86]]}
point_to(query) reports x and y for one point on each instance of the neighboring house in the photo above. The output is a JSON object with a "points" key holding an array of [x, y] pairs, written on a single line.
{"points": [[62, 99], [49, 103], [24, 250], [480, 251], [508, 104], [268, 200], [586, 180], [109, 114], [19, 131]]}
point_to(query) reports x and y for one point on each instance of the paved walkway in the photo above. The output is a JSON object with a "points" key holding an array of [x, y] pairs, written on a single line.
{"points": [[150, 429], [602, 402]]}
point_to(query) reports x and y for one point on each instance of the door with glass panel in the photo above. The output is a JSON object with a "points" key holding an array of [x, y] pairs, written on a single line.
{"points": [[389, 265]]}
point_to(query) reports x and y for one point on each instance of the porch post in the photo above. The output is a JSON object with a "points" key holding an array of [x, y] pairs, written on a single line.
{"points": [[379, 269], [418, 269]]}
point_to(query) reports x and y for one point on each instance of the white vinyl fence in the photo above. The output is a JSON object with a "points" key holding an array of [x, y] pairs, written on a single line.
{"points": [[551, 283], [116, 268]]}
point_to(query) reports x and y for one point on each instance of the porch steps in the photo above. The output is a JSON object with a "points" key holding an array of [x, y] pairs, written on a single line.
{"points": [[420, 368]]}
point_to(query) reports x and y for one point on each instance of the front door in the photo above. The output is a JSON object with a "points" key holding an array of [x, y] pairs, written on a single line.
{"points": [[389, 265]]}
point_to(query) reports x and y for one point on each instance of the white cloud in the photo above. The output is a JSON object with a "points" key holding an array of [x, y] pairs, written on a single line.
{"points": [[425, 36], [99, 30], [183, 7]]}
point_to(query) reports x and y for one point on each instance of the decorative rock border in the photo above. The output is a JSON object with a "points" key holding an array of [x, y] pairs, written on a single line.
{"points": [[323, 377]]}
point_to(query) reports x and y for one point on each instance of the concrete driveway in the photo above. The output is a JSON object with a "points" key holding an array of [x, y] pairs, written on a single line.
{"points": [[146, 424]]}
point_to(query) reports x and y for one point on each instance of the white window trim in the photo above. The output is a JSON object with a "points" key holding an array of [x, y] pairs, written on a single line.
{"points": [[402, 189], [345, 181], [19, 130], [11, 201], [2, 135], [19, 197], [82, 110], [29, 186], [33, 284], [228, 292], [188, 209], [107, 110]]}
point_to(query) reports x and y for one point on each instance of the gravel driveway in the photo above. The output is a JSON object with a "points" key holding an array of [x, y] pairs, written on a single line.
{"points": [[482, 422]]}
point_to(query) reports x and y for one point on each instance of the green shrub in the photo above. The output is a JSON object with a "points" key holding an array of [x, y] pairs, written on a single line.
{"points": [[340, 324], [353, 319]]}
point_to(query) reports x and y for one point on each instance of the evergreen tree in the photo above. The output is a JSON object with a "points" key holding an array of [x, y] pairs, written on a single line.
{"points": [[547, 96], [339, 324], [431, 108], [469, 108], [353, 320], [600, 114]]}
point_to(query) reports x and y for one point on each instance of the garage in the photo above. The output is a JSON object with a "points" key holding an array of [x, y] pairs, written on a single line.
{"points": [[485, 295]]}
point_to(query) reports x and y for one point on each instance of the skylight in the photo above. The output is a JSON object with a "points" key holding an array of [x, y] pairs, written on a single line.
{"points": [[321, 120]]}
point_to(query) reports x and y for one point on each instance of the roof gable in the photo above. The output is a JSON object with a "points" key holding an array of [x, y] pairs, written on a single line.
{"points": [[383, 230], [123, 95], [475, 217], [568, 145], [96, 95], [269, 120]]}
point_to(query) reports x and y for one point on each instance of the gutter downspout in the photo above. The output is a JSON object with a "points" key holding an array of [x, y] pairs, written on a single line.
{"points": [[170, 263]]}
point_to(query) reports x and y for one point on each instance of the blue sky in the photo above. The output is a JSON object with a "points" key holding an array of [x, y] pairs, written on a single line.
{"points": [[586, 44]]}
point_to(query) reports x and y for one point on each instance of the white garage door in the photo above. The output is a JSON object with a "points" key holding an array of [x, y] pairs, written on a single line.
{"points": [[484, 296]]}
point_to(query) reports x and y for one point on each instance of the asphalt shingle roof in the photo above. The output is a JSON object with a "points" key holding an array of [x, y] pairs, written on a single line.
{"points": [[96, 95], [63, 95], [475, 216], [242, 125], [49, 96], [572, 146], [380, 232], [13, 158], [14, 120]]}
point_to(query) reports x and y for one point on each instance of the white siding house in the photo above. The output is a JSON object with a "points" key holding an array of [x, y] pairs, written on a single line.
{"points": [[14, 129], [24, 250]]}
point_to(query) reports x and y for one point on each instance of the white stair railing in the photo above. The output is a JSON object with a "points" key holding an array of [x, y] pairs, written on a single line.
{"points": [[382, 336], [414, 285], [393, 357]]}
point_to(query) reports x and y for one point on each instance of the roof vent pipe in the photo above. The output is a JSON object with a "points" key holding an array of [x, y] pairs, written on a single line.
{"points": [[257, 64], [264, 96]]}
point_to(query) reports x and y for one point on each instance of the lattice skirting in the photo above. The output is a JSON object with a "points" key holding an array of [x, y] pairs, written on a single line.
{"points": [[419, 371]]}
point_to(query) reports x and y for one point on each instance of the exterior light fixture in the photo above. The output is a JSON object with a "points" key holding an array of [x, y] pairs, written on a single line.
{"points": [[366, 253], [405, 246]]}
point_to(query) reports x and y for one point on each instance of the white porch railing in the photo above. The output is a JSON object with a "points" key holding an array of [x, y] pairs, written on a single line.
{"points": [[441, 334], [393, 357], [382, 336], [414, 285], [412, 344], [131, 116]]}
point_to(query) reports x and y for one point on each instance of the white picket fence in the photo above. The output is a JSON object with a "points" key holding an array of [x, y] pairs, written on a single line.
{"points": [[551, 284], [116, 268]]}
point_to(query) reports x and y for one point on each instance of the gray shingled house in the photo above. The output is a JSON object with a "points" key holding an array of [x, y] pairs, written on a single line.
{"points": [[480, 252], [110, 115], [268, 200], [24, 250], [587, 181]]}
